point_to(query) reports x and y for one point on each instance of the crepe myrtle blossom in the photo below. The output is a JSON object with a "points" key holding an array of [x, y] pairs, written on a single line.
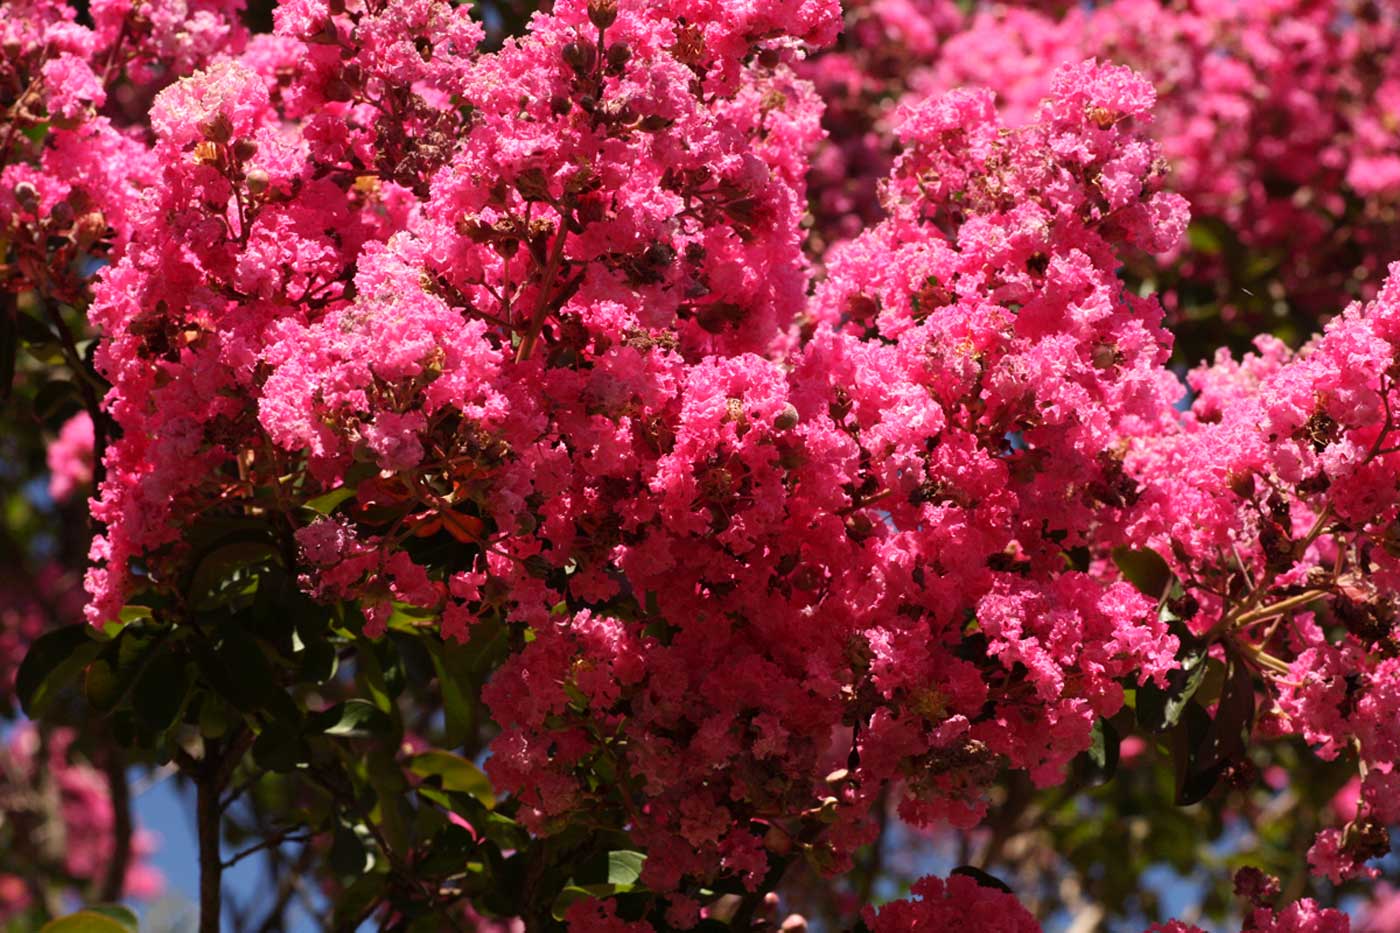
{"points": [[529, 341]]}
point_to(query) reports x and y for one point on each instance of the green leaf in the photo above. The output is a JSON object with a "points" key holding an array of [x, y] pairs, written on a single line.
{"points": [[1204, 238], [216, 578], [351, 719], [452, 663], [456, 774], [161, 690], [1193, 784], [1102, 754], [983, 879], [354, 902], [1233, 722], [618, 872], [240, 670], [53, 661], [123, 915], [101, 685], [1160, 709], [53, 398], [280, 748], [92, 920], [625, 867], [327, 503], [350, 856], [1144, 569]]}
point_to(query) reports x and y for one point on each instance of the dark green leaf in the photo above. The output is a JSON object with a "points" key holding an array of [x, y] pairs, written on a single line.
{"points": [[455, 774], [616, 872], [349, 855], [984, 879], [327, 503], [1102, 755], [55, 397], [1193, 783], [1229, 730], [1159, 709], [215, 579], [280, 748], [161, 690], [53, 661], [240, 670], [356, 901], [319, 662], [1144, 569], [351, 719]]}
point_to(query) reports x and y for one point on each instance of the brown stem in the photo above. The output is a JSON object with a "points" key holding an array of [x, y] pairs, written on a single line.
{"points": [[114, 884], [211, 777], [551, 270], [211, 865]]}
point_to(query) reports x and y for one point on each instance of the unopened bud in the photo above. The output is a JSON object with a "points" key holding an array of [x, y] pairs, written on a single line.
{"points": [[619, 54], [218, 128], [787, 418], [859, 526], [244, 149], [777, 841], [602, 13], [581, 56], [257, 182], [62, 214], [27, 196]]}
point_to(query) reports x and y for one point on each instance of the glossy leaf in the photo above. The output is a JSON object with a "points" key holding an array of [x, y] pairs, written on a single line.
{"points": [[53, 661]]}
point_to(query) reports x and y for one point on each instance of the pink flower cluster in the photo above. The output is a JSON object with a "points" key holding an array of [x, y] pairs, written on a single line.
{"points": [[1275, 496], [539, 326], [70, 459], [561, 327], [960, 903], [1278, 120]]}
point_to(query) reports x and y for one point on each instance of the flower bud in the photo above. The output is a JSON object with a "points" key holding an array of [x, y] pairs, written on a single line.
{"points": [[27, 196], [244, 149], [618, 54], [581, 56], [787, 418], [62, 214], [218, 128], [859, 526], [602, 13], [257, 182]]}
